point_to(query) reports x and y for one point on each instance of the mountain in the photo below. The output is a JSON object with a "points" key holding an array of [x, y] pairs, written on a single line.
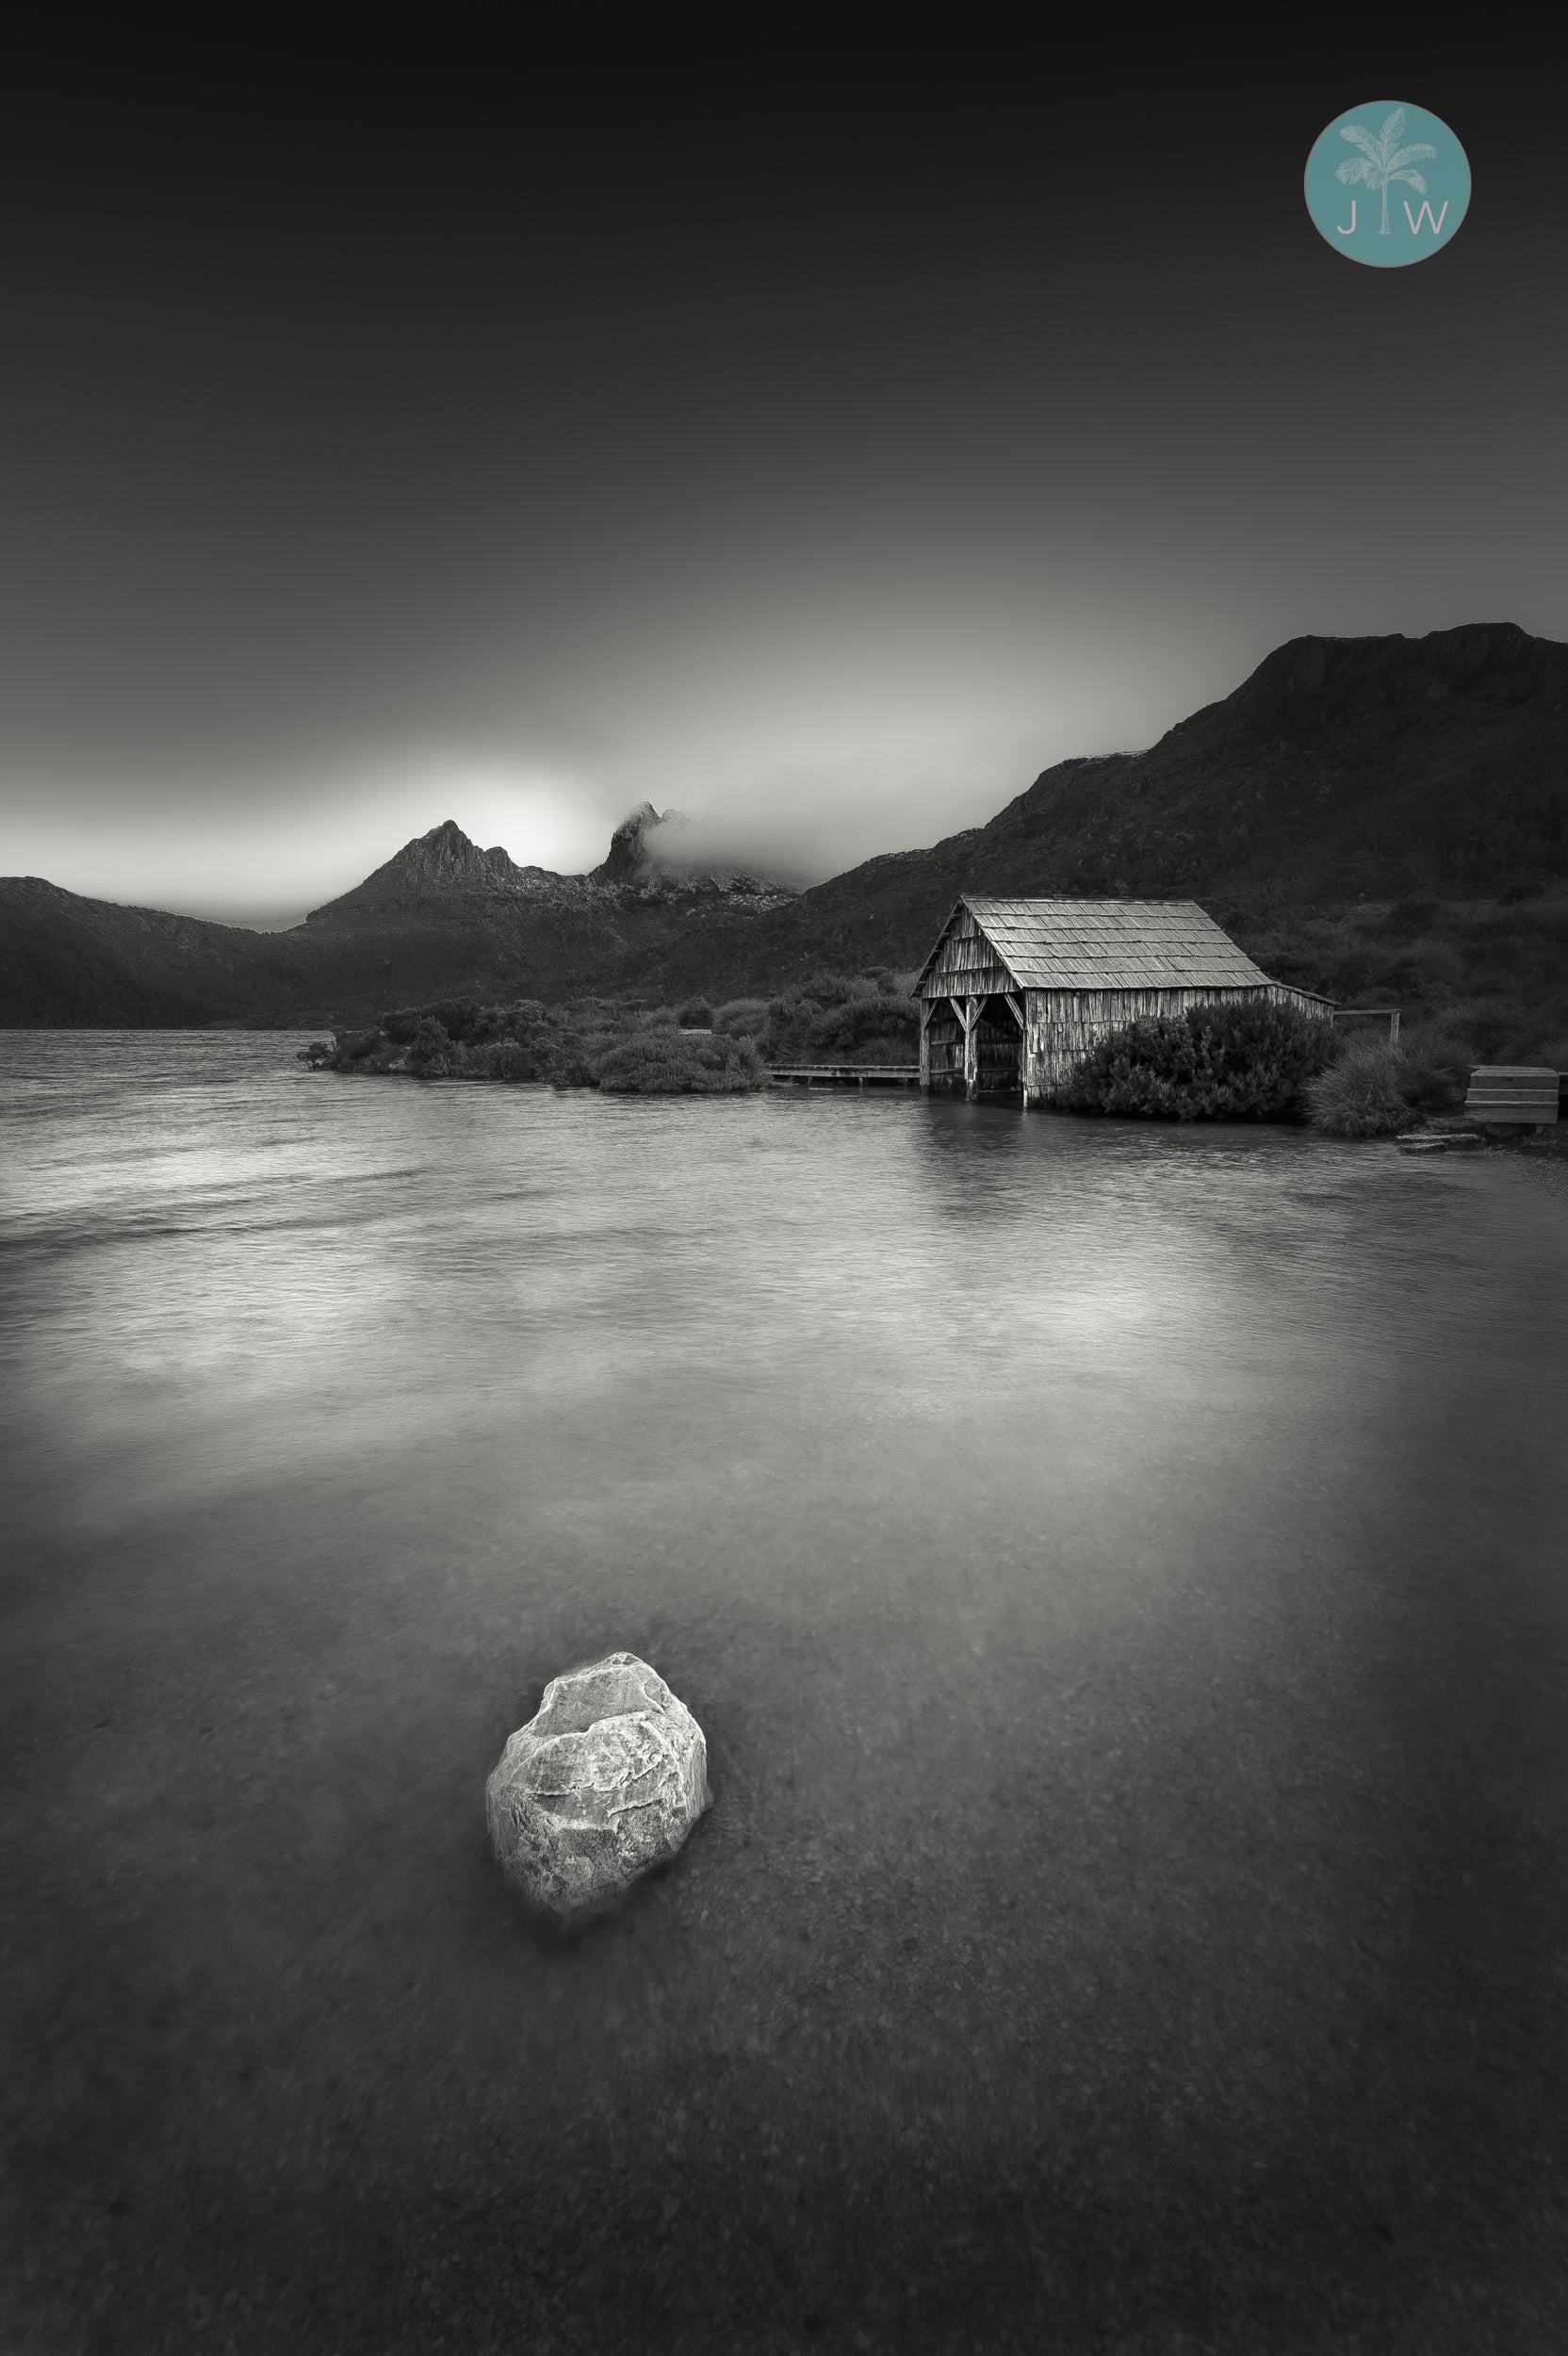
{"points": [[69, 961], [442, 918], [1343, 769], [666, 852], [440, 866], [634, 846], [1363, 814]]}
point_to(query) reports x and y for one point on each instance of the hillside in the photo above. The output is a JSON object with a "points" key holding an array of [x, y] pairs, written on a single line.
{"points": [[1370, 816], [1377, 818], [1342, 770]]}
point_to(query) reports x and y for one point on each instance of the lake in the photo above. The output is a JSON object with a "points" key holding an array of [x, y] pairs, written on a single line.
{"points": [[1119, 1570]]}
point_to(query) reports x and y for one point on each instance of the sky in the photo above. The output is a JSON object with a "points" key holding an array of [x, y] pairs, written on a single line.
{"points": [[820, 441]]}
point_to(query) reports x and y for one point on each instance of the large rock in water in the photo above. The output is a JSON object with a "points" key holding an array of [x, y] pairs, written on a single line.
{"points": [[606, 1781]]}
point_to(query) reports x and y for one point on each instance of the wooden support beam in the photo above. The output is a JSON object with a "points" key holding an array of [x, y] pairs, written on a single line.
{"points": [[970, 1018]]}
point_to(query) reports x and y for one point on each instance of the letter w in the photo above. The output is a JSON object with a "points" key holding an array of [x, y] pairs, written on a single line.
{"points": [[1426, 214]]}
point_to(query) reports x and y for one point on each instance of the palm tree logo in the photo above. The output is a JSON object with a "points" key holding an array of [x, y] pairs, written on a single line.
{"points": [[1382, 159]]}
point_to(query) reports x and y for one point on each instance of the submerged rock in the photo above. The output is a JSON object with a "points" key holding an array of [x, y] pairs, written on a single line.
{"points": [[606, 1781]]}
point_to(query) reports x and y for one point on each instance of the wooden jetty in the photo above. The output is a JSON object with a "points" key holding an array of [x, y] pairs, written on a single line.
{"points": [[865, 1076]]}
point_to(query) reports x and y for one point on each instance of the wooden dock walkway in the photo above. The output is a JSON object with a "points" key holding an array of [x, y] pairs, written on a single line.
{"points": [[872, 1076]]}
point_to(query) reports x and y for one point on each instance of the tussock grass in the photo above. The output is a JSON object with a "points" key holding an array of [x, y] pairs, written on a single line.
{"points": [[1362, 1094]]}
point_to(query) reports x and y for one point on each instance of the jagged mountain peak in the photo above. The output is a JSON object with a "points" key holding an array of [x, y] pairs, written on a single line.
{"points": [[441, 865], [635, 853]]}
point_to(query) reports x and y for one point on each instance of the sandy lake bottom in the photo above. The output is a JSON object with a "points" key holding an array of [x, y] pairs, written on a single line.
{"points": [[1121, 1574]]}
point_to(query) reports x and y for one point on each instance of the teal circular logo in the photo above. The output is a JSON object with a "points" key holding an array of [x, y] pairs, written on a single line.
{"points": [[1387, 184]]}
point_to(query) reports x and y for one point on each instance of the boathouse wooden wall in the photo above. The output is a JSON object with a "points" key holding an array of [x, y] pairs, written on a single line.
{"points": [[966, 965], [1061, 1026]]}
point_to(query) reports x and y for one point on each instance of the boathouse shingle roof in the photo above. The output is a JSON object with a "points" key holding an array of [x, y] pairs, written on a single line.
{"points": [[1108, 944]]}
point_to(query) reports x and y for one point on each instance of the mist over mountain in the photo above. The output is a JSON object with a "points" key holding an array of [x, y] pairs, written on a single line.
{"points": [[1344, 775]]}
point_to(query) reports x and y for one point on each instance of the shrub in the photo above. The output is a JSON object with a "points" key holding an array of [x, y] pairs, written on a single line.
{"points": [[506, 1059], [454, 1016], [595, 1043], [743, 1018], [831, 990], [431, 1052], [1246, 1061], [1360, 1094], [353, 1046], [1436, 1061], [694, 1014], [676, 1063], [875, 1029]]}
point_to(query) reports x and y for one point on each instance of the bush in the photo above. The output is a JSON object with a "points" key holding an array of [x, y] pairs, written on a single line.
{"points": [[595, 1043], [1247, 1061], [506, 1059], [878, 1028], [676, 1063], [352, 1046], [833, 989], [743, 1018], [432, 1053], [694, 1014], [1436, 1062], [1360, 1094]]}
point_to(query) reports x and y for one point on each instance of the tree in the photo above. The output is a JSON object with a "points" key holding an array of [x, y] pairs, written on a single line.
{"points": [[1382, 159]]}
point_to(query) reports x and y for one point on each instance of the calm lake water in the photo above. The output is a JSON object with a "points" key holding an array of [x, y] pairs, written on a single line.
{"points": [[1120, 1572]]}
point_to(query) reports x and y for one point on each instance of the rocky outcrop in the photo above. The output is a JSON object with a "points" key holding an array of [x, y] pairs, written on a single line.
{"points": [[637, 855], [604, 1782], [654, 854]]}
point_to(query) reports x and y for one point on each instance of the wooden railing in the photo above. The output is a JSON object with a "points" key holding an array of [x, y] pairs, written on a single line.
{"points": [[882, 1075]]}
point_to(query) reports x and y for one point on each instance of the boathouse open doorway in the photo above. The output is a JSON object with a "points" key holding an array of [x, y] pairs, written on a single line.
{"points": [[999, 1043], [993, 1065]]}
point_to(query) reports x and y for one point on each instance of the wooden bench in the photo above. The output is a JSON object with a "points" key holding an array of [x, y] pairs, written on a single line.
{"points": [[1513, 1095]]}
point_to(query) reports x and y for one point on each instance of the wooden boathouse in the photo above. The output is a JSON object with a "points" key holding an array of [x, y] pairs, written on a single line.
{"points": [[1015, 991]]}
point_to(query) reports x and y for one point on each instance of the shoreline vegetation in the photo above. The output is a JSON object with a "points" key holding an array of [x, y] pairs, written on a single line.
{"points": [[1258, 1061], [633, 1050], [1246, 1062]]}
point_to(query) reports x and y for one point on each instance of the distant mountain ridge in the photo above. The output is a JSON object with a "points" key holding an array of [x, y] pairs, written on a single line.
{"points": [[1341, 771], [441, 916]]}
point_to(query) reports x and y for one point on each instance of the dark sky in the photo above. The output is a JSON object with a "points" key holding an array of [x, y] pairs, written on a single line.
{"points": [[819, 439]]}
